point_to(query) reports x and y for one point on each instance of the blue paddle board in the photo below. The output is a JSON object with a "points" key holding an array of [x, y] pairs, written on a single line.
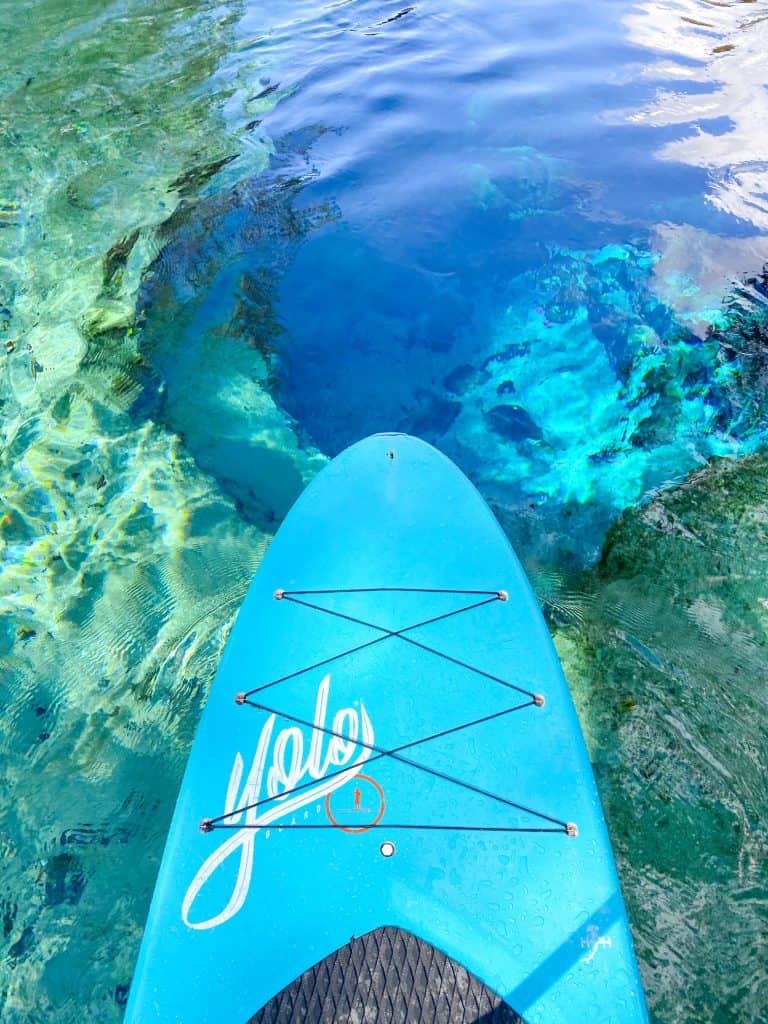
{"points": [[388, 812]]}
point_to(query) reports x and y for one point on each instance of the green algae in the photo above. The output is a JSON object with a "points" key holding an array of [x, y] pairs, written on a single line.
{"points": [[665, 644]]}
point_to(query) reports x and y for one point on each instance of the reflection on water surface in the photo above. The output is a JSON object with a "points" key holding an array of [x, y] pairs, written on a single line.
{"points": [[721, 49]]}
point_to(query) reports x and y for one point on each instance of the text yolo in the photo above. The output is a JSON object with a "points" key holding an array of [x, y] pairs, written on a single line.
{"points": [[281, 763]]}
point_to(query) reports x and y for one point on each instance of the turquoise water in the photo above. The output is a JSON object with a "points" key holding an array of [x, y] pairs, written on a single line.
{"points": [[232, 241]]}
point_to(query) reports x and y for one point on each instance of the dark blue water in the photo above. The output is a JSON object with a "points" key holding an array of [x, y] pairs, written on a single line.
{"points": [[467, 233]]}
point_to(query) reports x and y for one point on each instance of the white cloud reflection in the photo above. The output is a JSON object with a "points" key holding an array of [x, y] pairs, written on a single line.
{"points": [[723, 46]]}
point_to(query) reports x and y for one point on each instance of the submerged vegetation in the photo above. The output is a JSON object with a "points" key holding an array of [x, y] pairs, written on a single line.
{"points": [[666, 644]]}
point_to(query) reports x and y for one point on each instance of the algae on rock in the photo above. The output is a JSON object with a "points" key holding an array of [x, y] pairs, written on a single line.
{"points": [[665, 644]]}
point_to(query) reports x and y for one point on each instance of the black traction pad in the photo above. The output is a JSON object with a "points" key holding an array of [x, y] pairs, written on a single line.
{"points": [[386, 977]]}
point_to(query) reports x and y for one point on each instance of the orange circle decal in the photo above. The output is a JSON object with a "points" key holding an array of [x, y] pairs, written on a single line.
{"points": [[367, 799]]}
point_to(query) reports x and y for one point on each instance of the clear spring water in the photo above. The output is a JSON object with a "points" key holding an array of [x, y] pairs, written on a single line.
{"points": [[232, 240]]}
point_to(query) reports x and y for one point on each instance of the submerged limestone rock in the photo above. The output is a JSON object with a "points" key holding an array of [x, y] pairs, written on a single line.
{"points": [[105, 117], [122, 568], [608, 395], [208, 330], [665, 644]]}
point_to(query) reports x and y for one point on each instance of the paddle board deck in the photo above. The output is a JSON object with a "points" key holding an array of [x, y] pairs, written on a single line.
{"points": [[388, 812]]}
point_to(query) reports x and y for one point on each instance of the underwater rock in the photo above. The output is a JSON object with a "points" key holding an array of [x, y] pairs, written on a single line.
{"points": [[64, 880], [741, 337], [23, 945], [116, 601], [462, 377], [191, 181], [433, 413], [628, 399], [665, 645], [209, 329], [119, 142], [527, 183], [513, 422]]}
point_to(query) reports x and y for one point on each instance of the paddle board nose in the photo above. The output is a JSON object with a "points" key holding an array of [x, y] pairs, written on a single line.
{"points": [[388, 807]]}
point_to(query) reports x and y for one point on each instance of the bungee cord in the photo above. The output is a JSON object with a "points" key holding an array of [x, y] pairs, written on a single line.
{"points": [[395, 753]]}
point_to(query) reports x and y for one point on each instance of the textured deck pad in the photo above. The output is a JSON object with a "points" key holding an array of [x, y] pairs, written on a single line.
{"points": [[387, 977]]}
